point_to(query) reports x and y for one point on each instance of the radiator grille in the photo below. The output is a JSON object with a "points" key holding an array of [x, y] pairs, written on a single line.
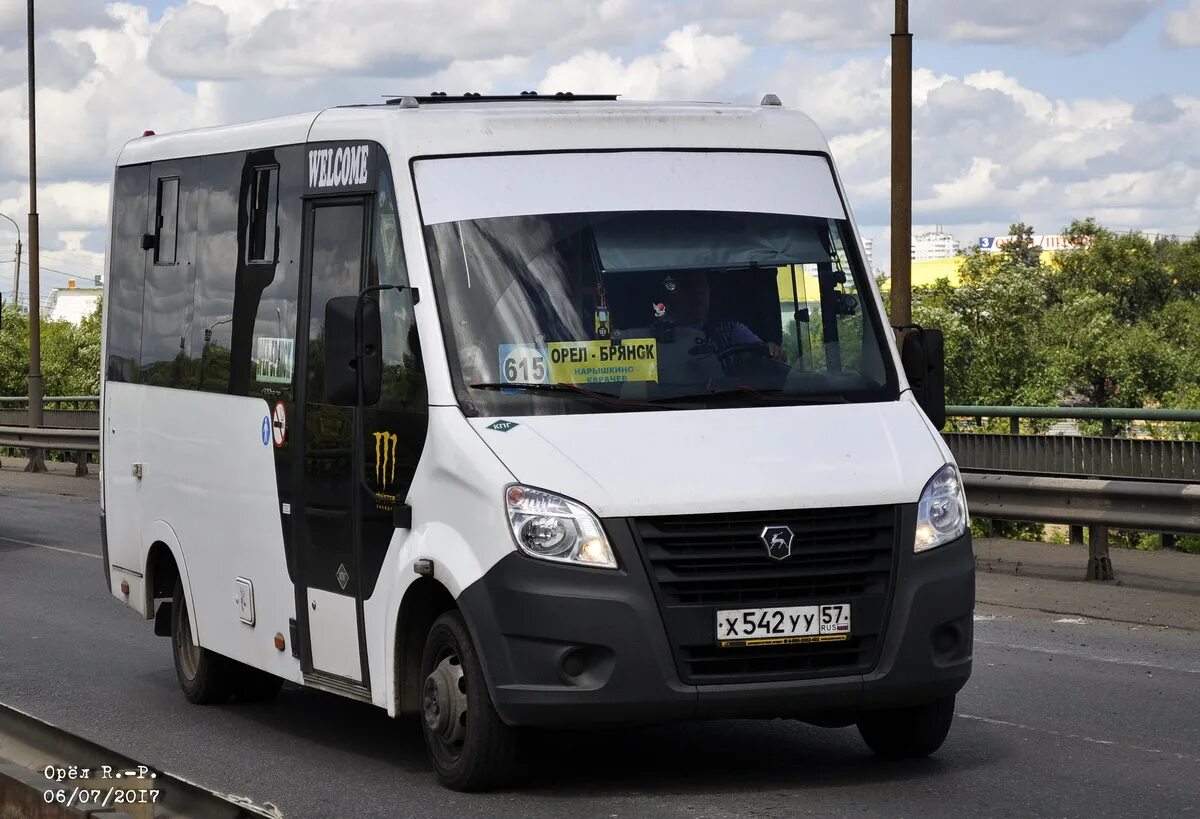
{"points": [[702, 563]]}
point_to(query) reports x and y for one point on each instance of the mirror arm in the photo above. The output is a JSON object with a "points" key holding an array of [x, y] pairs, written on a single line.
{"points": [[401, 511]]}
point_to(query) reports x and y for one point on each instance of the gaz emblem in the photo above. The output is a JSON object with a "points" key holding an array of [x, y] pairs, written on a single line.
{"points": [[778, 540]]}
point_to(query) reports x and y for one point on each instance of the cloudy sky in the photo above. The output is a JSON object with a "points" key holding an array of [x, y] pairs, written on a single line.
{"points": [[1033, 110]]}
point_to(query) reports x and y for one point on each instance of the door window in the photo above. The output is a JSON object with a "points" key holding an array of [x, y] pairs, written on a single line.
{"points": [[336, 267]]}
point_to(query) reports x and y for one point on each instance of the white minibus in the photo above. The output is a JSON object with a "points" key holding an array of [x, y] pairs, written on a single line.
{"points": [[527, 411]]}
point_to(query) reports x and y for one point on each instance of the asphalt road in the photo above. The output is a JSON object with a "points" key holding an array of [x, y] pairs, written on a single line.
{"points": [[1088, 718]]}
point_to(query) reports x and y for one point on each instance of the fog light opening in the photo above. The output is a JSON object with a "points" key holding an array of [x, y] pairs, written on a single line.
{"points": [[947, 638], [572, 663]]}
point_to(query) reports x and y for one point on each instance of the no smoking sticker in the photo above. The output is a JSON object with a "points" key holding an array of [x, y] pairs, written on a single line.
{"points": [[279, 424]]}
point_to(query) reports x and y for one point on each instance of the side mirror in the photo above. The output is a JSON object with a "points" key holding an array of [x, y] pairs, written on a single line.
{"points": [[923, 355], [345, 360]]}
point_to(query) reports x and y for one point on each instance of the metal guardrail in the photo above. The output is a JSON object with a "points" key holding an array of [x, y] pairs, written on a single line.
{"points": [[114, 783], [73, 430], [74, 440], [1141, 484], [1146, 506]]}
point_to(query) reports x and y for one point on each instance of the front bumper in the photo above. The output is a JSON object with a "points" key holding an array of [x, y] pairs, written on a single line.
{"points": [[563, 646]]}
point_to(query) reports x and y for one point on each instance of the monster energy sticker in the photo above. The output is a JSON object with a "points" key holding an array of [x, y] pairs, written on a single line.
{"points": [[385, 459]]}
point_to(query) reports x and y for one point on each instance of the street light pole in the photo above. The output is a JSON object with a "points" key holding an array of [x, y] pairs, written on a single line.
{"points": [[37, 462], [901, 169], [16, 259]]}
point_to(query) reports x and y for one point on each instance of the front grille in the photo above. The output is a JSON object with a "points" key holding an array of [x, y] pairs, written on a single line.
{"points": [[702, 563]]}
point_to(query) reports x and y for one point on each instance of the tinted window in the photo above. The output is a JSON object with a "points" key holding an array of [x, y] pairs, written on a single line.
{"points": [[217, 264], [336, 269], [167, 306], [126, 271], [273, 299], [403, 377], [264, 194], [167, 229]]}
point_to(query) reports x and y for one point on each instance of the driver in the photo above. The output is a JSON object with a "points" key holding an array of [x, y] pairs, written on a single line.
{"points": [[688, 306]]}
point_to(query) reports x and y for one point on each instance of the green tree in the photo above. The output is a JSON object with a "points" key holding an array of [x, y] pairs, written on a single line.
{"points": [[70, 355]]}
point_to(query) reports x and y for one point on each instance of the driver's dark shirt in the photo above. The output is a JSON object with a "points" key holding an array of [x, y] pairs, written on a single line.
{"points": [[730, 333]]}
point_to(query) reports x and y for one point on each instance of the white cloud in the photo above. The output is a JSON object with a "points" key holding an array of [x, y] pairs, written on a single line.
{"points": [[689, 64], [838, 25], [49, 16], [989, 150], [405, 38], [1183, 26]]}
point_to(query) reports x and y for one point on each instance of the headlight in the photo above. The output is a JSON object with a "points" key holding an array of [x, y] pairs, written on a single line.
{"points": [[942, 510], [553, 528]]}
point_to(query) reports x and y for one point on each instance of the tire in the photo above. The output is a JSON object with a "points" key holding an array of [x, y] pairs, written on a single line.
{"points": [[908, 733], [469, 754], [204, 676]]}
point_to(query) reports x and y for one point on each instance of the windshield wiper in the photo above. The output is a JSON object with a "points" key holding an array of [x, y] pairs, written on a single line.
{"points": [[571, 389], [766, 395]]}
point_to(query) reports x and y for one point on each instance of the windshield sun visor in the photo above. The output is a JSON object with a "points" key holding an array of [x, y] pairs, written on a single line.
{"points": [[634, 242]]}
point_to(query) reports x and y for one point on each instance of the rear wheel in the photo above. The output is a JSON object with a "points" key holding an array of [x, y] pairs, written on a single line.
{"points": [[207, 677], [908, 733], [470, 746]]}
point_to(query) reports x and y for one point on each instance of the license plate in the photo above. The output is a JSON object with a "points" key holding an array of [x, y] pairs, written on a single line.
{"points": [[784, 625]]}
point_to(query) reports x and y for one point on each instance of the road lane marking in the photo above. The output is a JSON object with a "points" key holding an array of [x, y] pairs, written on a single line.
{"points": [[1083, 655], [51, 548], [1081, 737]]}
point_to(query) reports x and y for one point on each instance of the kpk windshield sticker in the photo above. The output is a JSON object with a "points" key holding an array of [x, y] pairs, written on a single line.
{"points": [[580, 362]]}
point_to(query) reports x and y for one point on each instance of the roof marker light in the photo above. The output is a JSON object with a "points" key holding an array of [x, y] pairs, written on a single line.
{"points": [[147, 133], [771, 100]]}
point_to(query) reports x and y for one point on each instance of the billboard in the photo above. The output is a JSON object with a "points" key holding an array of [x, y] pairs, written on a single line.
{"points": [[1047, 241]]}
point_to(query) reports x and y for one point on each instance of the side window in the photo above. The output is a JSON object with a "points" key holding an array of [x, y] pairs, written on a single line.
{"points": [[127, 272], [167, 305], [275, 213], [217, 263], [264, 203], [337, 238], [167, 221], [403, 385]]}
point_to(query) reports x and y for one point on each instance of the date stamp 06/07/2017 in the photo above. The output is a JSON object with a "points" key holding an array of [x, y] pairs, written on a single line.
{"points": [[100, 787]]}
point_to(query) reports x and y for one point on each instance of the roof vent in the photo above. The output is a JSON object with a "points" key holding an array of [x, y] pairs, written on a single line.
{"points": [[771, 100]]}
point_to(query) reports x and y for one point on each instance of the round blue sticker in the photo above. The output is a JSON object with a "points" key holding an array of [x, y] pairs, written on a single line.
{"points": [[266, 430]]}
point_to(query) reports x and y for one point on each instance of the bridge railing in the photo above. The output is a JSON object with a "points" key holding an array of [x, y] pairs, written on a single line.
{"points": [[1140, 483], [70, 423]]}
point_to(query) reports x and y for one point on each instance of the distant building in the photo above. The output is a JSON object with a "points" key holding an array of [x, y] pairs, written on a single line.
{"points": [[935, 244], [869, 247], [72, 303], [1047, 242]]}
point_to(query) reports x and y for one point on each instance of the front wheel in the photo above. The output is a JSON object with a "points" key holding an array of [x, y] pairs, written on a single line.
{"points": [[470, 746], [908, 733]]}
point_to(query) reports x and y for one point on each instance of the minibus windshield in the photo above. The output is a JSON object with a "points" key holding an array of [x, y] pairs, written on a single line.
{"points": [[630, 310]]}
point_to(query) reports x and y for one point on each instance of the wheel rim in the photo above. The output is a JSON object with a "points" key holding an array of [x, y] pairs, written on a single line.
{"points": [[185, 648], [444, 704]]}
